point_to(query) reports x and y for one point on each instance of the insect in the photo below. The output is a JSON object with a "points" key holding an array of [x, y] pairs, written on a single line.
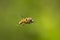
{"points": [[26, 20]]}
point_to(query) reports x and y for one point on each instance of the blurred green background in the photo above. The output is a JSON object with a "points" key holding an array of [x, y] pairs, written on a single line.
{"points": [[45, 13]]}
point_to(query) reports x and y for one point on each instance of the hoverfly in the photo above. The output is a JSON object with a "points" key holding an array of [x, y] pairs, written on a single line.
{"points": [[26, 20]]}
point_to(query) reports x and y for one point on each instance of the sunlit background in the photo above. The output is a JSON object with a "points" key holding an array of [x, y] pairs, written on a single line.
{"points": [[45, 13]]}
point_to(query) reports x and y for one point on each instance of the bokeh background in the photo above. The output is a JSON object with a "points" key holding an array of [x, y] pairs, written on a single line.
{"points": [[45, 13]]}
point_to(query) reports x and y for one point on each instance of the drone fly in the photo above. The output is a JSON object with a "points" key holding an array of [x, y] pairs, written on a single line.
{"points": [[26, 20]]}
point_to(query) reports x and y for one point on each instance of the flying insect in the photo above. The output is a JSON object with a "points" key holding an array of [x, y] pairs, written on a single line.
{"points": [[26, 20]]}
